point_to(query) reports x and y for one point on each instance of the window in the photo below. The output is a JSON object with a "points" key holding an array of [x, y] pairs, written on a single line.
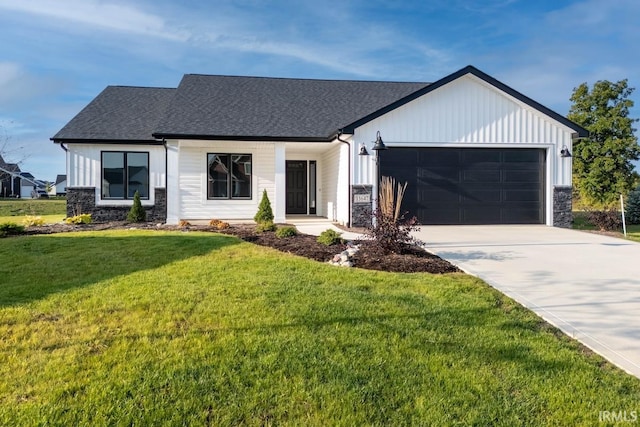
{"points": [[124, 173], [229, 176]]}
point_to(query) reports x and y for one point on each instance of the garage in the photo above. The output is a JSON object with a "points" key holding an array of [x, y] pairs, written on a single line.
{"points": [[470, 185]]}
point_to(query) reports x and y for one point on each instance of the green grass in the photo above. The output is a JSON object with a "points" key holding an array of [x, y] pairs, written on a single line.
{"points": [[171, 328], [51, 210]]}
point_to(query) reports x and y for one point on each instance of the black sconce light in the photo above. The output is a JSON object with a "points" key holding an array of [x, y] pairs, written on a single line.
{"points": [[363, 150], [565, 152], [379, 144]]}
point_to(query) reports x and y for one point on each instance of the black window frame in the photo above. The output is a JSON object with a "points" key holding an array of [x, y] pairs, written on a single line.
{"points": [[125, 174], [229, 192]]}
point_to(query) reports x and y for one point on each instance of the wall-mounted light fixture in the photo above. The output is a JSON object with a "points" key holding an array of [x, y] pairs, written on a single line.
{"points": [[379, 144], [363, 150], [565, 152]]}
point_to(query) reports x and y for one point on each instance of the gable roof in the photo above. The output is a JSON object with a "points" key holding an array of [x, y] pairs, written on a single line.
{"points": [[60, 178], [580, 131], [254, 108], [8, 167], [118, 113], [231, 107]]}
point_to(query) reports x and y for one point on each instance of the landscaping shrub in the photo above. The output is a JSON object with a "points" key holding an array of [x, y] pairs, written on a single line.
{"points": [[632, 208], [391, 235], [10, 229], [265, 213], [137, 212], [389, 231], [32, 221], [330, 237], [218, 225], [286, 231], [79, 219], [606, 220], [182, 223], [266, 226]]}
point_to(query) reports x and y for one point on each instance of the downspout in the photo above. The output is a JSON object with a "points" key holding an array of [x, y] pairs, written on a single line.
{"points": [[348, 176], [166, 180]]}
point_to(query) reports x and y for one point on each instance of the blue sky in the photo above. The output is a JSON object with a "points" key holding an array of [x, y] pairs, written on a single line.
{"points": [[55, 56]]}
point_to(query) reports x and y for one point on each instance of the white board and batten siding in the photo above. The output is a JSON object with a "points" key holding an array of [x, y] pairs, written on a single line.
{"points": [[84, 168], [335, 184], [192, 165], [469, 112]]}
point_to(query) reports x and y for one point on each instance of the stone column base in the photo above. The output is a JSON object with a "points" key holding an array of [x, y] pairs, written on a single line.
{"points": [[562, 206]]}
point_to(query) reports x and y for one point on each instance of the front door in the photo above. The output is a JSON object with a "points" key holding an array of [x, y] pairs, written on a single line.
{"points": [[296, 187]]}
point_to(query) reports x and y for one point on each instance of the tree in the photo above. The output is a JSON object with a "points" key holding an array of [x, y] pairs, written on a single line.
{"points": [[137, 212], [265, 213], [602, 163]]}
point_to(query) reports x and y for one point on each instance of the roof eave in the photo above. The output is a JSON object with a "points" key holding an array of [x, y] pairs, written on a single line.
{"points": [[163, 135], [104, 141]]}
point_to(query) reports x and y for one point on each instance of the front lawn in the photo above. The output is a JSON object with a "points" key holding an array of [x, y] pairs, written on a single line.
{"points": [[176, 328], [51, 210]]}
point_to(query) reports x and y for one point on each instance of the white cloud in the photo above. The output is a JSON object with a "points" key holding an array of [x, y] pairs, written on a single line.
{"points": [[105, 15]]}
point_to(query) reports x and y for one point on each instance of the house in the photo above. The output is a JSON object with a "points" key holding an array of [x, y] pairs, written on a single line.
{"points": [[473, 150], [59, 187], [9, 179]]}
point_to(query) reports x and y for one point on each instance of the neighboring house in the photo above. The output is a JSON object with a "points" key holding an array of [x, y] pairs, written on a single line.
{"points": [[59, 187], [9, 179], [28, 183], [473, 150]]}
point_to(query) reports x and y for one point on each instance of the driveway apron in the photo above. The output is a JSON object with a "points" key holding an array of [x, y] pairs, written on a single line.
{"points": [[586, 284]]}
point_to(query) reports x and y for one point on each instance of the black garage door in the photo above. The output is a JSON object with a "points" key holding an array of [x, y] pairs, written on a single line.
{"points": [[470, 185]]}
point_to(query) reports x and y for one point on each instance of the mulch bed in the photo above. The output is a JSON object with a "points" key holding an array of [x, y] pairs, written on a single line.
{"points": [[412, 259]]}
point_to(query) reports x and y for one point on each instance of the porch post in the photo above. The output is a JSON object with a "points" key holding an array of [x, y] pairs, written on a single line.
{"points": [[280, 184], [173, 182]]}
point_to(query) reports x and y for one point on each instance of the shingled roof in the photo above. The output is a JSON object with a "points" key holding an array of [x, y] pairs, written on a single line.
{"points": [[118, 113], [253, 108], [221, 107]]}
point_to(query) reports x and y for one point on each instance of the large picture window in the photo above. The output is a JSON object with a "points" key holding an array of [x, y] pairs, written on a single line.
{"points": [[124, 173], [229, 176]]}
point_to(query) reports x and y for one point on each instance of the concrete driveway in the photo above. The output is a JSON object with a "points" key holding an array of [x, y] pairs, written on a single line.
{"points": [[585, 284]]}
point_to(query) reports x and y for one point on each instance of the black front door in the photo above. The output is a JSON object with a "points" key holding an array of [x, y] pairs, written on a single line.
{"points": [[296, 187]]}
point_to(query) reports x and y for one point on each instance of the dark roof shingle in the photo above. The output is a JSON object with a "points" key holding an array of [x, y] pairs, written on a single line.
{"points": [[119, 113], [255, 107]]}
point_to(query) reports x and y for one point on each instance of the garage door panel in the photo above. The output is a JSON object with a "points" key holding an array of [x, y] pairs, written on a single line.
{"points": [[518, 155], [488, 215], [438, 216], [523, 196], [521, 176], [481, 176], [437, 174], [470, 185], [482, 196], [473, 157], [443, 157], [442, 196]]}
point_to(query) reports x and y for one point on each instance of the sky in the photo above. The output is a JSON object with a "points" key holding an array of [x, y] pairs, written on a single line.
{"points": [[56, 56]]}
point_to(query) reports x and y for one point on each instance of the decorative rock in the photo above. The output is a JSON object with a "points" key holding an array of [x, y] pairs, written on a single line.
{"points": [[343, 259]]}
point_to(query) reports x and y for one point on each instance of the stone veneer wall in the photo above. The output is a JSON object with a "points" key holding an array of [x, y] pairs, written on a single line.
{"points": [[83, 200], [562, 205], [361, 205]]}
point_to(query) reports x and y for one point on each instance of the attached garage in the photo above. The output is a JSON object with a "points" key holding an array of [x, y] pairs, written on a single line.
{"points": [[470, 185], [473, 151]]}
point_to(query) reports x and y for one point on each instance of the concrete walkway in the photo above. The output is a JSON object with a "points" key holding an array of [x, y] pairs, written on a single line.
{"points": [[315, 225], [586, 284]]}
